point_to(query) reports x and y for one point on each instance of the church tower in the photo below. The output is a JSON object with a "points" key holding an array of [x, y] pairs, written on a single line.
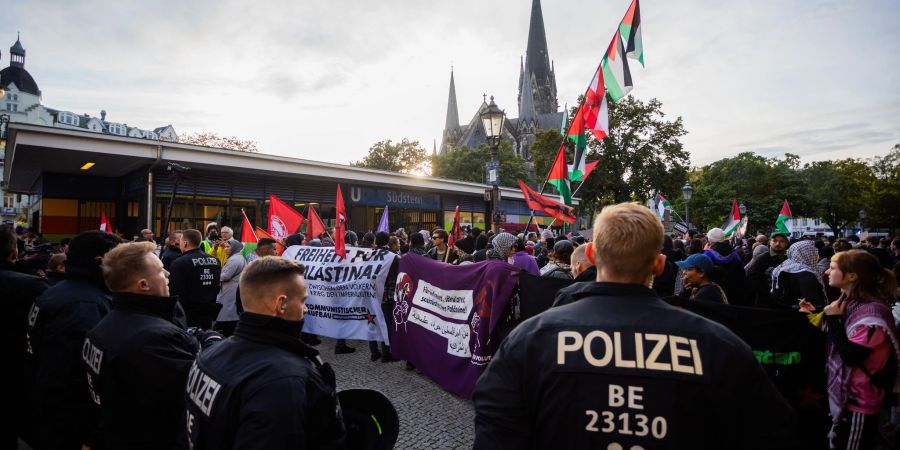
{"points": [[538, 66], [452, 130]]}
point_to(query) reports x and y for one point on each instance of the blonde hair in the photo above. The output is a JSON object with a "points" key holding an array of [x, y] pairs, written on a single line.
{"points": [[125, 263], [627, 239]]}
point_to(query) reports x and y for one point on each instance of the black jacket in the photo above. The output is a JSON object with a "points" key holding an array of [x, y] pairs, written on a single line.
{"points": [[138, 382], [794, 286], [57, 325], [194, 279], [575, 377], [169, 255], [566, 295], [18, 292], [759, 276], [263, 388]]}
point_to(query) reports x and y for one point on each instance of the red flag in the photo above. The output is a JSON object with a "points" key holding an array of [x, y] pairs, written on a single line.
{"points": [[104, 223], [588, 168], [314, 226], [247, 234], [538, 202], [340, 225], [279, 247], [283, 220], [455, 230]]}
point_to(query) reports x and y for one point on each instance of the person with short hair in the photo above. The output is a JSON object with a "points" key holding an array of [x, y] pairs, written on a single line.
{"points": [[56, 269], [194, 279], [264, 387], [583, 269], [218, 248], [441, 251], [18, 291], [264, 247], [759, 274], [137, 383], [57, 325], [560, 257], [172, 249], [620, 368]]}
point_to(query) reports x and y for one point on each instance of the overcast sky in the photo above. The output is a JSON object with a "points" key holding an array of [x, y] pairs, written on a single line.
{"points": [[324, 80]]}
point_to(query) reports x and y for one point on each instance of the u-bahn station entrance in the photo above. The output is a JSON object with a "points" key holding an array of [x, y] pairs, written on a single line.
{"points": [[73, 177]]}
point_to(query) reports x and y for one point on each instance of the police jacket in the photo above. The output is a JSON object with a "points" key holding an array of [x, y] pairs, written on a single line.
{"points": [[169, 254], [56, 327], [263, 388], [137, 361], [620, 368], [584, 279], [194, 279]]}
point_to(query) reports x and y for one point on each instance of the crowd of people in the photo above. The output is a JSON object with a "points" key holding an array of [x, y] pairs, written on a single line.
{"points": [[193, 341]]}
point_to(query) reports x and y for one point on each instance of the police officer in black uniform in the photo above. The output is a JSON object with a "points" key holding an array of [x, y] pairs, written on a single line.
{"points": [[194, 279], [57, 324], [263, 387], [621, 369], [137, 359]]}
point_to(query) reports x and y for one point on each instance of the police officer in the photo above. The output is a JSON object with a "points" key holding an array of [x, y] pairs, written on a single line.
{"points": [[137, 359], [621, 369], [263, 387], [194, 279], [56, 326]]}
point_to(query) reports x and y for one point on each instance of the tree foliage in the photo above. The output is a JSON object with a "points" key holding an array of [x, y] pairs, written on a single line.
{"points": [[642, 155], [405, 157], [838, 190], [468, 164], [882, 207], [210, 139]]}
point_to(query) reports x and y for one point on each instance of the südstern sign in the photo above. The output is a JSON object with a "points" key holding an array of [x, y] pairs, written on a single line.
{"points": [[393, 197]]}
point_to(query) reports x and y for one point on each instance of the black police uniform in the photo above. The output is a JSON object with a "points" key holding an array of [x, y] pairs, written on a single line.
{"points": [[18, 292], [620, 368], [194, 279], [263, 388], [137, 361], [57, 325]]}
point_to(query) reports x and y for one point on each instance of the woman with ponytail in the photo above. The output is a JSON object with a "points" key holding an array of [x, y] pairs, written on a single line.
{"points": [[862, 347]]}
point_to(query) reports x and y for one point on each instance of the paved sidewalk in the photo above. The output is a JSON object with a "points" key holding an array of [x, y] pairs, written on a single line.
{"points": [[430, 417]]}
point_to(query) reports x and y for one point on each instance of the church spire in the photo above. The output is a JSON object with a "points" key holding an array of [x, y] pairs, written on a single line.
{"points": [[526, 103], [452, 110], [17, 54], [537, 63]]}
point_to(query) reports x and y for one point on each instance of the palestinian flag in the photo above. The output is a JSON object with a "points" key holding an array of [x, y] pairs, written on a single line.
{"points": [[733, 220], [104, 223], [661, 206], [248, 237], [785, 221], [576, 135], [615, 70], [559, 175], [630, 29], [596, 108], [538, 202], [588, 168]]}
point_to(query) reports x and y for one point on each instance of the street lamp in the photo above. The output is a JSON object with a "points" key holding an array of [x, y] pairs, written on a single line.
{"points": [[4, 124], [687, 191], [492, 120], [862, 216]]}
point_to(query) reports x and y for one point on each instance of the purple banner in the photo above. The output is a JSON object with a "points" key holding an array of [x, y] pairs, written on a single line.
{"points": [[444, 317]]}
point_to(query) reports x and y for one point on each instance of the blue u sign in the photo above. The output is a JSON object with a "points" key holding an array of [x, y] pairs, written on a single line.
{"points": [[394, 197]]}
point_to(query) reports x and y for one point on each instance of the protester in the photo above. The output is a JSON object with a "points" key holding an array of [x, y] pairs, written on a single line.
{"points": [[264, 247], [504, 246], [195, 280], [758, 251], [441, 251], [138, 382], [664, 283], [387, 301], [264, 387], [218, 249], [798, 278], [417, 244], [862, 348], [560, 257], [481, 248], [521, 259], [57, 325], [18, 291], [465, 249], [729, 267], [212, 235], [698, 284], [583, 269], [558, 381], [230, 275]]}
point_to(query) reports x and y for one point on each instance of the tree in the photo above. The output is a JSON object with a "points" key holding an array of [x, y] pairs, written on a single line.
{"points": [[405, 157], [468, 164], [885, 194], [838, 190], [760, 183], [210, 139], [543, 150], [641, 155]]}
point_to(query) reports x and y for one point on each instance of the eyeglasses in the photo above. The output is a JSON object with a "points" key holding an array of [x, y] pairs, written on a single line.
{"points": [[436, 237]]}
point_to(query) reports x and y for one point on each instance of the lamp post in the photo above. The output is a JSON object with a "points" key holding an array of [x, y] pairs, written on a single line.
{"points": [[4, 123], [492, 121], [862, 216], [687, 191]]}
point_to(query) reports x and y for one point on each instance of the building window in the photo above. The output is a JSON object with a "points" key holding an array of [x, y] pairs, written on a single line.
{"points": [[15, 97], [15, 107], [9, 96], [9, 106], [67, 118], [9, 201], [117, 128], [150, 135]]}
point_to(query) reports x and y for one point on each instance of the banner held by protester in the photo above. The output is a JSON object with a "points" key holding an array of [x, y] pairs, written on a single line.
{"points": [[442, 324], [344, 293]]}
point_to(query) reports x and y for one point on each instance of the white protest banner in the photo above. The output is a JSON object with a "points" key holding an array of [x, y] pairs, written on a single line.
{"points": [[344, 294]]}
